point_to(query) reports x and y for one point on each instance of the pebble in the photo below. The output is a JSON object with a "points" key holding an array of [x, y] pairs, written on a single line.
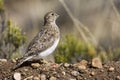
{"points": [[111, 69], [35, 65], [82, 67], [36, 78], [75, 73], [96, 62], [23, 73], [57, 75], [82, 64], [53, 78], [72, 79], [44, 61], [106, 66], [66, 65], [43, 77], [63, 72], [117, 77], [54, 65], [25, 69], [3, 60], [14, 61], [92, 73], [17, 76], [102, 70], [29, 78]]}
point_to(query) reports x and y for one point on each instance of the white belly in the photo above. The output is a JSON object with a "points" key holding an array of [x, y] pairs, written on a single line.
{"points": [[44, 53], [49, 50]]}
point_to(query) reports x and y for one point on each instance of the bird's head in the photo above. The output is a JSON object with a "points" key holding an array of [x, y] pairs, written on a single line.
{"points": [[50, 17]]}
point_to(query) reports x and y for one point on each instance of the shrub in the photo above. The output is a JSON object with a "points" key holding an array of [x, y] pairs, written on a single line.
{"points": [[14, 35], [12, 40], [72, 49], [1, 4]]}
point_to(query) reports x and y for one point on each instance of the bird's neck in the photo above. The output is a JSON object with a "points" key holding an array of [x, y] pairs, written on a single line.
{"points": [[49, 23]]}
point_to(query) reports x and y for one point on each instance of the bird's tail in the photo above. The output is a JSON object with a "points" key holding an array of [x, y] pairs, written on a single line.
{"points": [[19, 63]]}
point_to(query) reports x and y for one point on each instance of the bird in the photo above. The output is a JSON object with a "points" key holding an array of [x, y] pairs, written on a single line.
{"points": [[45, 42]]}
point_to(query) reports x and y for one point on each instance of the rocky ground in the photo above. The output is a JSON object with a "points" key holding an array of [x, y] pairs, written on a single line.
{"points": [[43, 70]]}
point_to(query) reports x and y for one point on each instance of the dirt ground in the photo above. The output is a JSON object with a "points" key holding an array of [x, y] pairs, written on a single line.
{"points": [[54, 71]]}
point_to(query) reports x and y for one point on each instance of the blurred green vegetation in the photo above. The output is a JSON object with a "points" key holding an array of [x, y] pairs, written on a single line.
{"points": [[1, 4], [12, 40], [11, 37], [72, 49]]}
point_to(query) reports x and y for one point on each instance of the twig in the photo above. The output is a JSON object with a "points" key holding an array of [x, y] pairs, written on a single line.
{"points": [[74, 20], [80, 27], [115, 9]]}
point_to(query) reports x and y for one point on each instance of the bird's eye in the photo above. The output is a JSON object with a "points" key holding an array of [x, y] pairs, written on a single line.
{"points": [[52, 14]]}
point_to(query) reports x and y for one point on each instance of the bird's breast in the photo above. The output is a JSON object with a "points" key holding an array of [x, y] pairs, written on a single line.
{"points": [[50, 49]]}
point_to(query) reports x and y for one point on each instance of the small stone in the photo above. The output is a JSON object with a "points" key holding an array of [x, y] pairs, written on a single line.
{"points": [[82, 67], [25, 69], [36, 78], [102, 70], [53, 78], [72, 79], [63, 72], [85, 78], [23, 73], [57, 75], [29, 78], [66, 65], [106, 66], [75, 73], [92, 73], [3, 60], [117, 77], [96, 62], [54, 65], [17, 76], [44, 61], [43, 77], [35, 65], [14, 61], [82, 64], [111, 69]]}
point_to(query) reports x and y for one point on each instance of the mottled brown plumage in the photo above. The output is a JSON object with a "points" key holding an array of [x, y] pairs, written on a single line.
{"points": [[44, 42]]}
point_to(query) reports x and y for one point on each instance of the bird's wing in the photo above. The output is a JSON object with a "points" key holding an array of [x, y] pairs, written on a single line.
{"points": [[43, 40]]}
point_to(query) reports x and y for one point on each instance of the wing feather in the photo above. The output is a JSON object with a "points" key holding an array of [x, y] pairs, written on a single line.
{"points": [[43, 40]]}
